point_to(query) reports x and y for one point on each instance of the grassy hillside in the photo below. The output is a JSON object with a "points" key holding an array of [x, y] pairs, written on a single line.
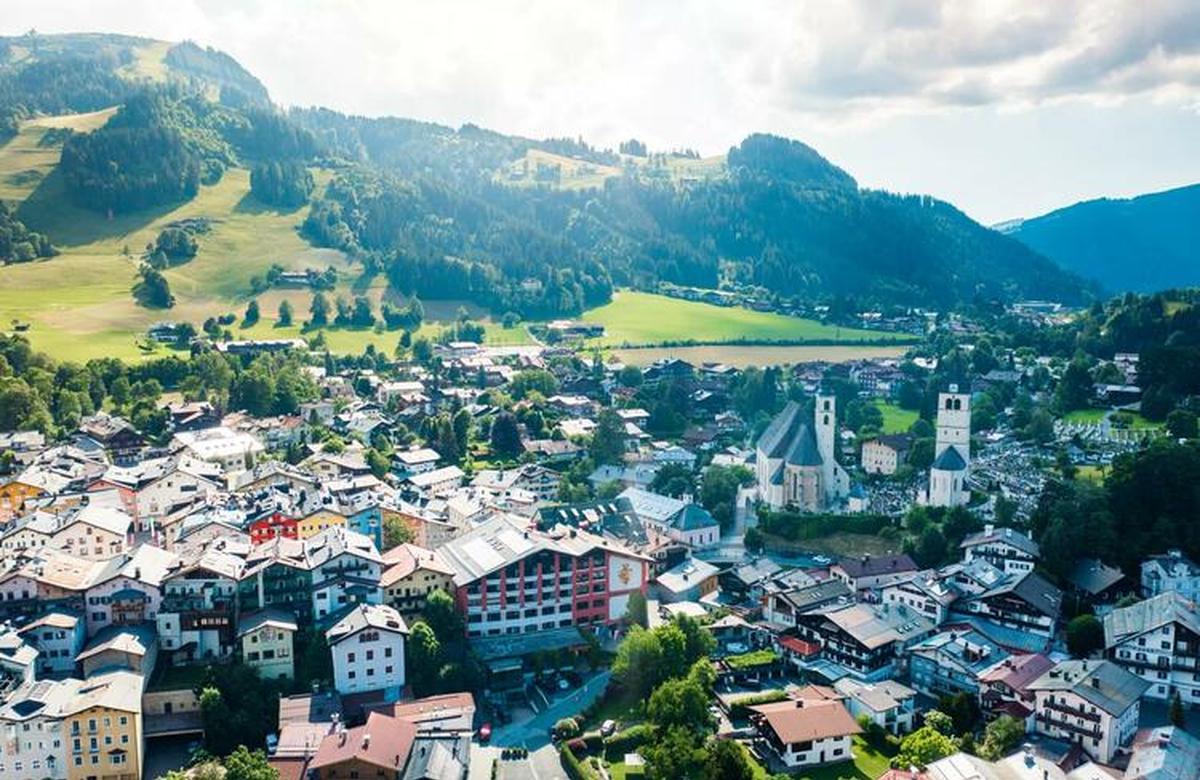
{"points": [[31, 156], [642, 318], [79, 304]]}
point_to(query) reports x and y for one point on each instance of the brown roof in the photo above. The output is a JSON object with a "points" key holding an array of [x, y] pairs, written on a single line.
{"points": [[1018, 671], [803, 721], [289, 768], [420, 709], [404, 559], [383, 741]]}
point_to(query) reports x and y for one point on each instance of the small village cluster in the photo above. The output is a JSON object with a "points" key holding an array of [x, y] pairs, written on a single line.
{"points": [[125, 562]]}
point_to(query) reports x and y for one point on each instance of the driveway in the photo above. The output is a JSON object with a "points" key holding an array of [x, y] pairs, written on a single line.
{"points": [[535, 732]]}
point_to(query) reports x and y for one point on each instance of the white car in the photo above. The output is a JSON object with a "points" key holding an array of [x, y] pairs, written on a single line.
{"points": [[608, 728]]}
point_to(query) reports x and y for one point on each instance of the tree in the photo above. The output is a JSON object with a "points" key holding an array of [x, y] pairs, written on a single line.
{"points": [[673, 479], [318, 310], [679, 702], [719, 489], [252, 314], [940, 722], [922, 747], [395, 532], [424, 658], [608, 438], [1085, 635], [1182, 424], [244, 764], [674, 755], [725, 759], [285, 314], [635, 609], [1176, 713], [1075, 387], [1000, 737], [506, 435], [638, 662], [153, 291]]}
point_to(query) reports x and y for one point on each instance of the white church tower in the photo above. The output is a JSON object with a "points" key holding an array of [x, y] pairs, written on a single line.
{"points": [[834, 478], [952, 454]]}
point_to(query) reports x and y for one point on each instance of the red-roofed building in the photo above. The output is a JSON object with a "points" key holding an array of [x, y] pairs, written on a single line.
{"points": [[1003, 689], [378, 749], [806, 732]]}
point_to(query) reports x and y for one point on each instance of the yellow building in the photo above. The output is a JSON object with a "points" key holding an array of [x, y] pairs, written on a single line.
{"points": [[413, 573], [267, 643], [317, 522], [102, 728]]}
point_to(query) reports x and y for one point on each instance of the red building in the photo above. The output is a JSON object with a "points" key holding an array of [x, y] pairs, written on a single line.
{"points": [[273, 525]]}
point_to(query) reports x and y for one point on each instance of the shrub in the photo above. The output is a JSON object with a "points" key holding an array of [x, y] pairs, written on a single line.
{"points": [[628, 740], [575, 769], [740, 709], [567, 728]]}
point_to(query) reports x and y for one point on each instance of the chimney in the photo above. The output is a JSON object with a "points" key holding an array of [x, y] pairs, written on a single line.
{"points": [[366, 741], [987, 529]]}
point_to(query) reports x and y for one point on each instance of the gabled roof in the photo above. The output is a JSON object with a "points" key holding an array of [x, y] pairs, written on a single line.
{"points": [[377, 616], [1003, 534], [692, 517], [1101, 683], [1127, 623], [383, 741], [806, 720], [950, 460]]}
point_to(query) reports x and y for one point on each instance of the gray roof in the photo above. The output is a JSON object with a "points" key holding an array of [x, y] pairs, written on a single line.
{"points": [[1034, 589], [379, 616], [1101, 683], [1003, 534], [1165, 753], [1091, 576], [1126, 623], [950, 460], [791, 438]]}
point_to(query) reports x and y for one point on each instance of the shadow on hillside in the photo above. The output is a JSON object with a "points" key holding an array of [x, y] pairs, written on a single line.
{"points": [[49, 209], [248, 204]]}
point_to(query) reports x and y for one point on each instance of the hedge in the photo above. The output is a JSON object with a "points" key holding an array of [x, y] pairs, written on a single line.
{"points": [[575, 769], [740, 709], [628, 740]]}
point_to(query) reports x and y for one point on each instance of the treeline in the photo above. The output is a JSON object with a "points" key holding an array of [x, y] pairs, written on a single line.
{"points": [[74, 83], [39, 393], [120, 170], [1147, 505], [18, 244], [287, 184]]}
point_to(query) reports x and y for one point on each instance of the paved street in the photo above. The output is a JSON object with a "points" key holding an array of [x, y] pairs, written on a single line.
{"points": [[535, 732]]}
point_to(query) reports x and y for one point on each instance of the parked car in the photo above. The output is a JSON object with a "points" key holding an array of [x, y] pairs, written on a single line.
{"points": [[608, 728]]}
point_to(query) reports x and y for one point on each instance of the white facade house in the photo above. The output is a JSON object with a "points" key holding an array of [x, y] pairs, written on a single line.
{"points": [[1158, 640], [1094, 704], [346, 569], [58, 637], [1173, 573], [266, 639], [96, 532], [235, 451], [1010, 551], [888, 704], [807, 733], [952, 451], [367, 646]]}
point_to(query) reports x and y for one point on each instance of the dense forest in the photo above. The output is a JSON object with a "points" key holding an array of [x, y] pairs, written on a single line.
{"points": [[18, 244], [431, 207]]}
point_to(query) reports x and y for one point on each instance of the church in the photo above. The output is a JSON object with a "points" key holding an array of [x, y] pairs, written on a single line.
{"points": [[952, 452], [795, 465]]}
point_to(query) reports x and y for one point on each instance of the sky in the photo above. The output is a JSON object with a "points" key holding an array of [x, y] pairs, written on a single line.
{"points": [[1006, 108]]}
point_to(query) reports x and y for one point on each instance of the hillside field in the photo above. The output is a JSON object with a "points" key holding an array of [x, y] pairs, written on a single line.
{"points": [[637, 318]]}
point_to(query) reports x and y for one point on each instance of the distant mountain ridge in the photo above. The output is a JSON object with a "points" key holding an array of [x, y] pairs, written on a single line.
{"points": [[538, 227], [1141, 244]]}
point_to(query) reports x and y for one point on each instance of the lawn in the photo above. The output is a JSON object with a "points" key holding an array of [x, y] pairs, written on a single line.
{"points": [[633, 318], [29, 157], [895, 419], [1119, 418], [79, 304], [1085, 416]]}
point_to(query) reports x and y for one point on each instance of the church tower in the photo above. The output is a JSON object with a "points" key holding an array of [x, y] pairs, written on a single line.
{"points": [[835, 482], [952, 453]]}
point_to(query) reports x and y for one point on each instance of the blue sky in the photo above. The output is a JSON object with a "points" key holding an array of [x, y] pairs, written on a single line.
{"points": [[1006, 108]]}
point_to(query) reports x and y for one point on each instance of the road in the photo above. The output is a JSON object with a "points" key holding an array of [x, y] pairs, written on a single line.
{"points": [[535, 732]]}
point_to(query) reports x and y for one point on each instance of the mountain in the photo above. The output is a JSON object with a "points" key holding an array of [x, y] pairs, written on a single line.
{"points": [[540, 227], [1147, 243]]}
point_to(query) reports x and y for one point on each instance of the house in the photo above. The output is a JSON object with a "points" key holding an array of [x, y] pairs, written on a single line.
{"points": [[195, 618], [1004, 688], [128, 589], [58, 637], [783, 607], [410, 575], [885, 454], [865, 640], [1010, 551], [437, 482], [1095, 582], [416, 460], [267, 642], [102, 723], [1159, 641], [1172, 572], [691, 580], [1027, 603], [795, 463], [367, 645], [806, 733], [120, 647], [1164, 753], [380, 748], [234, 451], [887, 703], [1094, 704], [29, 714], [114, 436], [95, 531], [923, 592], [345, 568], [952, 662], [872, 572]]}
